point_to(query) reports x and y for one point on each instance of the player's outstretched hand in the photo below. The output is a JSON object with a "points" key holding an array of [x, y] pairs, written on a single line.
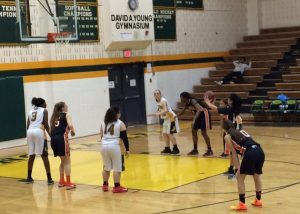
{"points": [[127, 154]]}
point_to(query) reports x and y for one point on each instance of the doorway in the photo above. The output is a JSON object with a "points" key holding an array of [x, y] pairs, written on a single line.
{"points": [[127, 91]]}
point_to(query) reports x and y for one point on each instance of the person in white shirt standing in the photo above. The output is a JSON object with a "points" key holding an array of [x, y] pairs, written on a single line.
{"points": [[170, 124], [113, 133], [37, 124], [240, 66]]}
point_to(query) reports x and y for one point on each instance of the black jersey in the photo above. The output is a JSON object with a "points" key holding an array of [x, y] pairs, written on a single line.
{"points": [[191, 105], [242, 140], [61, 125]]}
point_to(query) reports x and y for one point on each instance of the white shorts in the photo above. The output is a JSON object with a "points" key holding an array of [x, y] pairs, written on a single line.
{"points": [[170, 127], [35, 141], [112, 157]]}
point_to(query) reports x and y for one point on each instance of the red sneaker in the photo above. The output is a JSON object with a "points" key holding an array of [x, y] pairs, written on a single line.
{"points": [[240, 207], [257, 203], [105, 188], [70, 186], [61, 184], [119, 189]]}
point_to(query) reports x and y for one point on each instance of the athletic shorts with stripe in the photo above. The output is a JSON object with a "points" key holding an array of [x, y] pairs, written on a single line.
{"points": [[253, 161], [60, 145], [203, 122]]}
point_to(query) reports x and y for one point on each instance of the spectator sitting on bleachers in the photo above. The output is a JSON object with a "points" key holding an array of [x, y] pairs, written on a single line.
{"points": [[240, 66]]}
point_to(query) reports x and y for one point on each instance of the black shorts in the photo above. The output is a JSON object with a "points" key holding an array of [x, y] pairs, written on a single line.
{"points": [[253, 161], [60, 145], [45, 149], [203, 122]]}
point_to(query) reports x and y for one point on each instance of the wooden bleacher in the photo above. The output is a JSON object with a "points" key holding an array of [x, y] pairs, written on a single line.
{"points": [[290, 94], [255, 57], [221, 95], [267, 42], [265, 51], [291, 77], [291, 83], [255, 64], [250, 72], [224, 88], [247, 79], [277, 35]]}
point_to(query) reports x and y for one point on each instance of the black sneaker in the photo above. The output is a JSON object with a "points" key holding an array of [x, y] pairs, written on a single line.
{"points": [[229, 172], [167, 150], [29, 180], [50, 182], [194, 152], [208, 153], [223, 155], [175, 151]]}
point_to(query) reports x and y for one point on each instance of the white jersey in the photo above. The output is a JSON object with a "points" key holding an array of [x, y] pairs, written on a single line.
{"points": [[160, 106], [112, 133], [36, 117]]}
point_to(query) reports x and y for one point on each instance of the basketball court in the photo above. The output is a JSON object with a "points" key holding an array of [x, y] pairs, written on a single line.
{"points": [[157, 183], [83, 57]]}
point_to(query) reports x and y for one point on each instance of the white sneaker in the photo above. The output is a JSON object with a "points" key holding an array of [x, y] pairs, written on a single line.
{"points": [[219, 82]]}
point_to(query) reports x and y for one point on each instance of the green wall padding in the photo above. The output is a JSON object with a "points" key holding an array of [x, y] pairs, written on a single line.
{"points": [[12, 109]]}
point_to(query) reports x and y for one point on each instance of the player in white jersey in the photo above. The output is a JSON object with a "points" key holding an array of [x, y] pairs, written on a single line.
{"points": [[37, 124], [113, 133], [170, 124]]}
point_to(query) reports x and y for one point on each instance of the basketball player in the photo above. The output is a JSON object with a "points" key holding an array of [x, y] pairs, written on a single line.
{"points": [[233, 112], [111, 132], [61, 126], [224, 117], [170, 124], [201, 120], [37, 122], [253, 159]]}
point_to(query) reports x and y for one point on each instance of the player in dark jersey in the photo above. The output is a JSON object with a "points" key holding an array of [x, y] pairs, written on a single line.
{"points": [[233, 112], [201, 120], [61, 126], [224, 117], [253, 159]]}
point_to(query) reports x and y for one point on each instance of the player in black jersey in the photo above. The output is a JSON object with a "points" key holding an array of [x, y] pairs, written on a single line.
{"points": [[233, 112], [61, 126], [252, 162], [201, 120]]}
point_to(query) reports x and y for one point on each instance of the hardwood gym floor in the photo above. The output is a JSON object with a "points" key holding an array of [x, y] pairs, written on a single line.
{"points": [[158, 184]]}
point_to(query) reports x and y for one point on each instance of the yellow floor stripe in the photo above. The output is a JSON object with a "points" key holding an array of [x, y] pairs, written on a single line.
{"points": [[144, 172]]}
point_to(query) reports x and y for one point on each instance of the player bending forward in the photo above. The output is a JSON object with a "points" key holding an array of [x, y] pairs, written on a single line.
{"points": [[170, 125], [112, 131], [253, 159]]}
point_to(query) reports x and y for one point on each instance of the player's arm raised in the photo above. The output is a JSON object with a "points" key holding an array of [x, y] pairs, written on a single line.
{"points": [[70, 125], [210, 104], [124, 138]]}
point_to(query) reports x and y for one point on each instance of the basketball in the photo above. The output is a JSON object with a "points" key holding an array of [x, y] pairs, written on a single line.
{"points": [[210, 95]]}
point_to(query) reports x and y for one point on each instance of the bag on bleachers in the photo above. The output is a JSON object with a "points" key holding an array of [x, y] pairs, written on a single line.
{"points": [[283, 98]]}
